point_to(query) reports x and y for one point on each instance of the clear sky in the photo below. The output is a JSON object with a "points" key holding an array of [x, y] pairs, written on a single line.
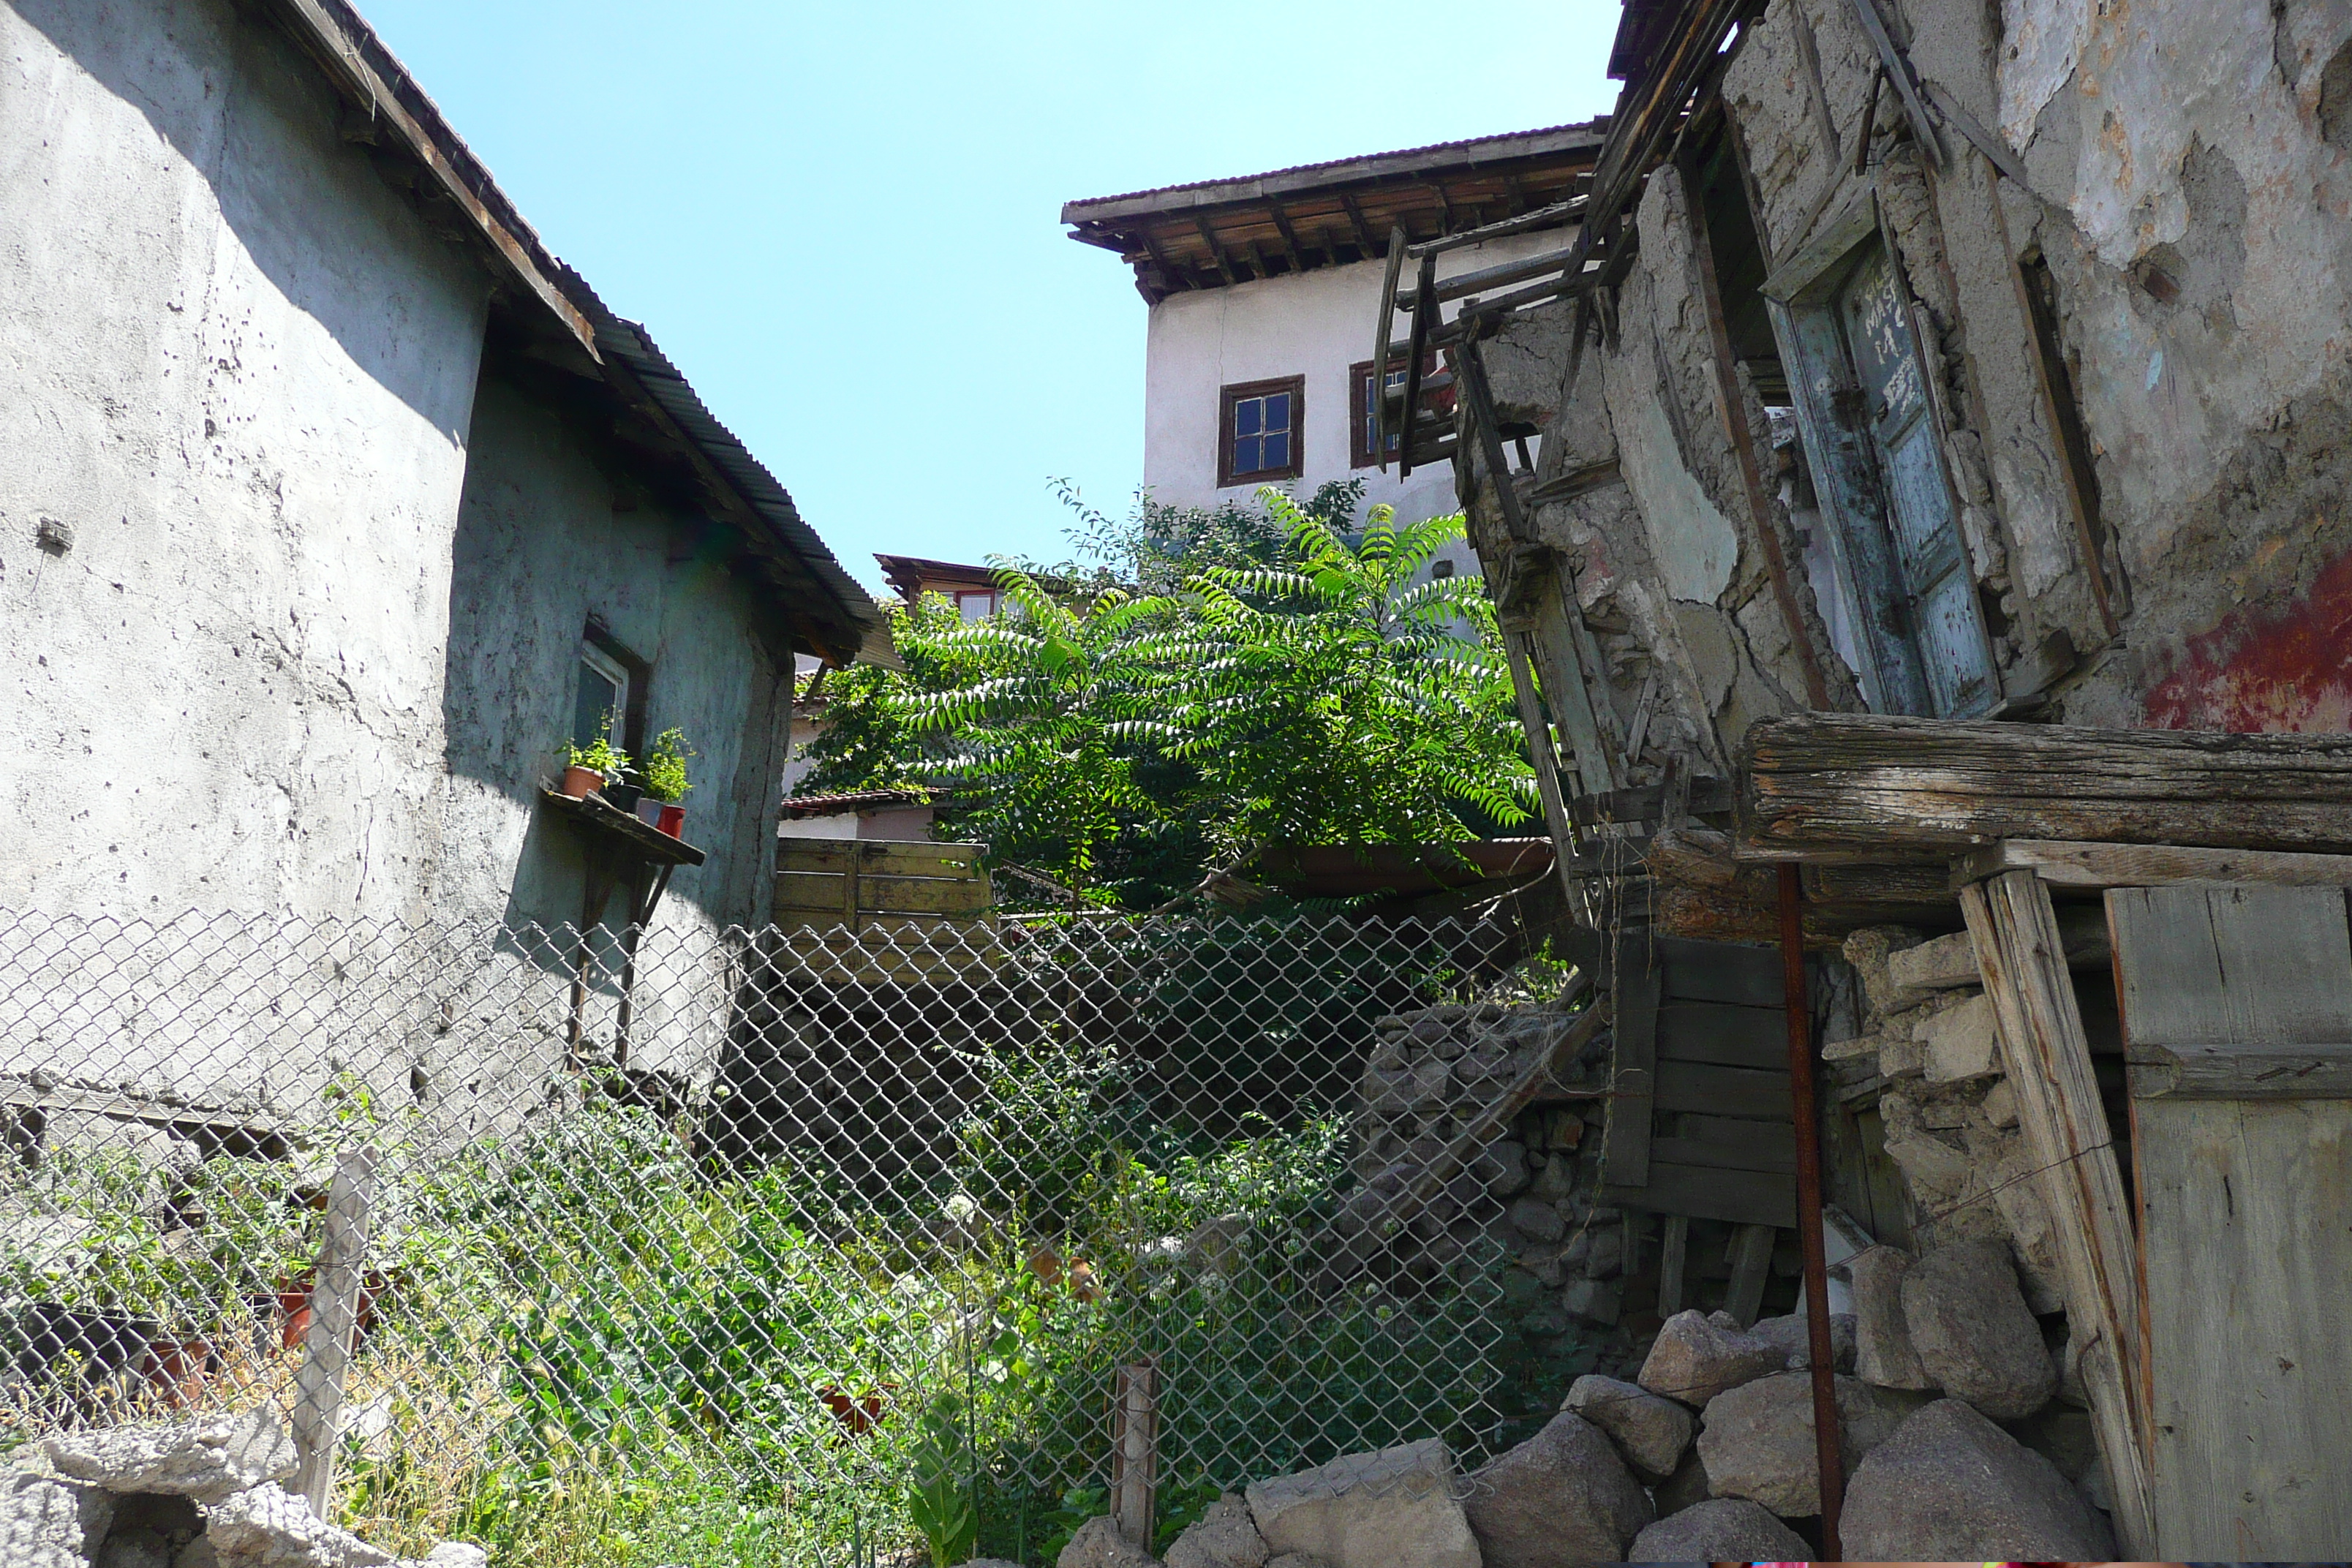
{"points": [[842, 220]]}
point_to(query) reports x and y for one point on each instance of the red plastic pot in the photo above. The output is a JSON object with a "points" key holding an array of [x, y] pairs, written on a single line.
{"points": [[673, 819]]}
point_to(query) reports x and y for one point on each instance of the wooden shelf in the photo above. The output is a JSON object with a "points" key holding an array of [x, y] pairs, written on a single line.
{"points": [[621, 830]]}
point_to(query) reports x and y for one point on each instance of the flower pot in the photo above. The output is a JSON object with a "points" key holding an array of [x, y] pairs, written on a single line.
{"points": [[673, 819], [582, 783], [623, 796], [293, 1314], [296, 1309], [649, 810], [178, 1368]]}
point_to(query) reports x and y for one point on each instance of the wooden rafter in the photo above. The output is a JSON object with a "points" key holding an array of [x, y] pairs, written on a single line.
{"points": [[1169, 274], [1289, 238], [1216, 249], [1362, 230]]}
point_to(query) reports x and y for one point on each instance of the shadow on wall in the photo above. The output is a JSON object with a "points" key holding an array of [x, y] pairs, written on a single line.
{"points": [[253, 119]]}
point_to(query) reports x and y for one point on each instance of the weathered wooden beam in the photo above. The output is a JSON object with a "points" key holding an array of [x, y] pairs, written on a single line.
{"points": [[1819, 784], [1216, 248], [327, 1347], [2147, 865], [1357, 226], [1289, 238], [2047, 1056]]}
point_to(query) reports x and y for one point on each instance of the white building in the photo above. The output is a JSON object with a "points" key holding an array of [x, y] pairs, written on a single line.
{"points": [[1259, 366]]}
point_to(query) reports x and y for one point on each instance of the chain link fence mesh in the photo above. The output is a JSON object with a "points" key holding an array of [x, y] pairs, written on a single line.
{"points": [[793, 1217]]}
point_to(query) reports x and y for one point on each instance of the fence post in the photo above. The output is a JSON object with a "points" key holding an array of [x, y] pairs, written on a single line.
{"points": [[1134, 1451], [335, 1321]]}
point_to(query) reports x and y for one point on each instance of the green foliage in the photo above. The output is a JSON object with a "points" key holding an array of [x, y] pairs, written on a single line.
{"points": [[601, 753], [939, 1482], [1272, 678], [665, 765]]}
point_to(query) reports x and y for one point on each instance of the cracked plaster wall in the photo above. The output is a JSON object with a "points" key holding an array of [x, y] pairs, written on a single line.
{"points": [[238, 396]]}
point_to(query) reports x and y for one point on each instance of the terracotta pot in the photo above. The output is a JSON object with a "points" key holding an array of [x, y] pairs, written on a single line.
{"points": [[582, 783], [293, 1315], [296, 1311], [673, 819], [178, 1368]]}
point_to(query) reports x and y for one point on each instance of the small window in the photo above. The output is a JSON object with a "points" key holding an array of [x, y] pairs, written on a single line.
{"points": [[604, 696], [1438, 399], [976, 605], [1259, 436]]}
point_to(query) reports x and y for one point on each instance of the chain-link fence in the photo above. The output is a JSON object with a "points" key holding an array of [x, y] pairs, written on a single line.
{"points": [[762, 1232]]}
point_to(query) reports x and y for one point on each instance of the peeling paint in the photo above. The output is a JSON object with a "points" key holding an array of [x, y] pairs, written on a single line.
{"points": [[2284, 670]]}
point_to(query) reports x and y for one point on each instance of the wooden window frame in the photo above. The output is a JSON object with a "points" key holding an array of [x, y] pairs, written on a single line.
{"points": [[1360, 435], [1227, 396]]}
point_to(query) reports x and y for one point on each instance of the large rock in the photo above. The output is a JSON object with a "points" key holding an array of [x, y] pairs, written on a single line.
{"points": [[206, 1459], [1394, 1508], [1098, 1544], [1950, 1485], [267, 1527], [1975, 1337], [47, 1523], [1650, 1431], [1726, 1529], [1696, 1357], [1563, 1497], [1225, 1537], [1687, 1486], [1962, 1043], [1883, 1353], [1793, 1335], [1758, 1442]]}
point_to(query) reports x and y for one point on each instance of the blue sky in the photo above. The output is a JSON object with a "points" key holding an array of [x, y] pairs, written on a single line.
{"points": [[841, 220]]}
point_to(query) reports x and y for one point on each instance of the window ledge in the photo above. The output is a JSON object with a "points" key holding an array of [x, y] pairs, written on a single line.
{"points": [[603, 821]]}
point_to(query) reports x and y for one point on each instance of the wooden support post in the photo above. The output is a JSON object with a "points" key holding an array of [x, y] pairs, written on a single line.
{"points": [[1796, 1004], [1673, 1252], [1134, 1451], [1751, 1263], [334, 1323], [2014, 930]]}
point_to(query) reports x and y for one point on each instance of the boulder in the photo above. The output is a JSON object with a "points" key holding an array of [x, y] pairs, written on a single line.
{"points": [[1687, 1486], [206, 1459], [1792, 1334], [47, 1523], [1727, 1530], [1883, 1354], [267, 1527], [1597, 1300], [1098, 1544], [1975, 1337], [134, 1549], [1393, 1508], [1297, 1560], [1758, 1439], [1952, 1486], [1563, 1497], [1696, 1357], [466, 1554], [1651, 1432], [1225, 1537], [203, 1553], [1536, 1218]]}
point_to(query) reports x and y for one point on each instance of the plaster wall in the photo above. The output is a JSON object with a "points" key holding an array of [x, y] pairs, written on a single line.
{"points": [[236, 378], [1314, 325]]}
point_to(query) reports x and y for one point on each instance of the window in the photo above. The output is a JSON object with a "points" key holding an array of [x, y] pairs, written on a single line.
{"points": [[975, 604], [1359, 410], [1258, 436], [604, 696]]}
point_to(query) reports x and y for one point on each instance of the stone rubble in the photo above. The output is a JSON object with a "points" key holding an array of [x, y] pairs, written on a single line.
{"points": [[1561, 1498], [1726, 1529], [200, 1493], [1697, 1356], [1225, 1537], [1952, 1486], [1757, 1441], [1651, 1432], [1098, 1544], [1394, 1509], [1975, 1338]]}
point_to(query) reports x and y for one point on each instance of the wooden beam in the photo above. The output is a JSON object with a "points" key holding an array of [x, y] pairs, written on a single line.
{"points": [[1289, 238], [2149, 865], [1216, 251], [1829, 782], [1673, 1254], [1175, 278], [327, 1347], [1634, 991], [1547, 758], [2047, 1057], [1357, 226], [1751, 1263]]}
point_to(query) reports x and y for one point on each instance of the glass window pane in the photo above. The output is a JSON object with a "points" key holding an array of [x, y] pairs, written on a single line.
{"points": [[1278, 451], [598, 696], [1278, 412], [1246, 456], [1246, 414]]}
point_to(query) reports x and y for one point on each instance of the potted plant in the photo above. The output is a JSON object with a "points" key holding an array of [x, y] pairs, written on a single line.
{"points": [[589, 768], [664, 804]]}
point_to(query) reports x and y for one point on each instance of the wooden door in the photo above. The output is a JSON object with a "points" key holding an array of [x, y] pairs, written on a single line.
{"points": [[1937, 592], [2237, 1012]]}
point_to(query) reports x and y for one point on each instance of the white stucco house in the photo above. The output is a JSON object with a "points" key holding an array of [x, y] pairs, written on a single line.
{"points": [[1258, 369]]}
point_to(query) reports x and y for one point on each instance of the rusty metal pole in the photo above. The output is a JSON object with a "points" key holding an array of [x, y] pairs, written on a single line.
{"points": [[1826, 1445]]}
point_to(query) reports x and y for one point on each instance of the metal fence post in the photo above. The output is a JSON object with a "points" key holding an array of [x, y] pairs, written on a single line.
{"points": [[334, 1323]]}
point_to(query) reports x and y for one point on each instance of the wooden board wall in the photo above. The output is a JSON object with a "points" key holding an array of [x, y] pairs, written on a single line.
{"points": [[2245, 1196]]}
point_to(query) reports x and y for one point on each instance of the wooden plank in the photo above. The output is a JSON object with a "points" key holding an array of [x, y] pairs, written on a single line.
{"points": [[814, 892], [1718, 1156], [1730, 1037], [1735, 972], [1674, 1254], [1723, 1091], [1702, 1192], [1625, 1149], [903, 856], [1134, 1451], [2248, 1217], [1772, 1145], [2233, 966], [2064, 864], [2239, 1072], [317, 1416], [1927, 786], [1751, 1263], [2014, 930]]}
